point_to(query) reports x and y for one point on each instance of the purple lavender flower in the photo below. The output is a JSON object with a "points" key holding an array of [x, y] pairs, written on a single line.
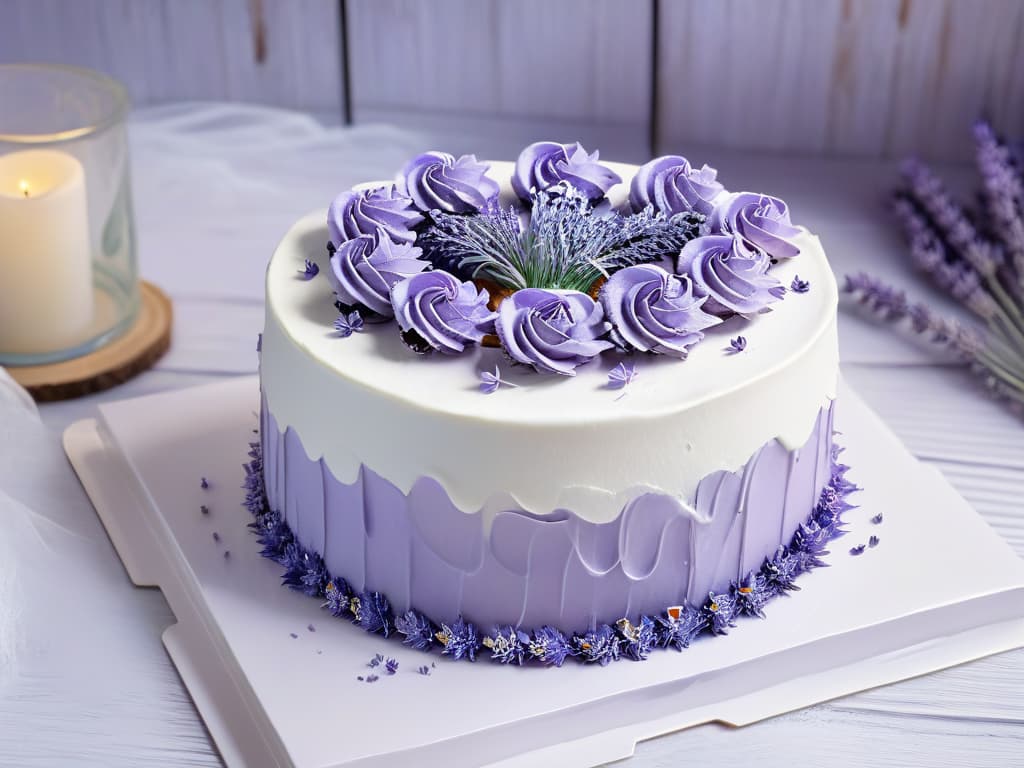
{"points": [[671, 185], [460, 640], [734, 277], [621, 376], [364, 269], [489, 382], [369, 211], [391, 666], [373, 613], [858, 550], [637, 640], [654, 311], [508, 645], [416, 630], [600, 646], [553, 330], [347, 324], [1003, 191], [546, 163], [751, 594], [799, 286], [445, 313], [309, 270], [437, 181], [737, 345], [549, 646], [780, 572], [338, 597], [679, 626], [762, 221], [719, 612]]}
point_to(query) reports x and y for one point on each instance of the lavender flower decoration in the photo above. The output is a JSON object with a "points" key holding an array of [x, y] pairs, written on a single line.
{"points": [[309, 270], [679, 626], [437, 181], [554, 331], [417, 630], [444, 313], [565, 245], [489, 382], [637, 639], [508, 645], [734, 277], [762, 221], [391, 666], [364, 269], [598, 646], [369, 211], [671, 185], [719, 612], [547, 163], [751, 594], [654, 311], [347, 324], [621, 376], [460, 640], [780, 572], [737, 345], [372, 612], [549, 646]]}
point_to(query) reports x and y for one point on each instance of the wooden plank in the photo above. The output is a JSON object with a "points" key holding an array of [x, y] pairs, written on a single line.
{"points": [[862, 77], [263, 51], [578, 68]]}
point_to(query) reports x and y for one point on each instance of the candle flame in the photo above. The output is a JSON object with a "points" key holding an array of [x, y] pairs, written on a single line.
{"points": [[23, 186]]}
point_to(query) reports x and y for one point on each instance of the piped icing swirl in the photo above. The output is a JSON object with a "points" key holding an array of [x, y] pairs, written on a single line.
{"points": [[439, 181], [546, 163], [364, 212], [732, 276], [553, 330], [672, 185], [761, 220], [442, 311], [364, 269], [652, 310]]}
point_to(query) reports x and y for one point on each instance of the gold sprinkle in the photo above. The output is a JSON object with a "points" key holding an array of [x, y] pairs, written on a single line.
{"points": [[441, 638], [746, 590], [585, 646], [488, 642], [713, 606]]}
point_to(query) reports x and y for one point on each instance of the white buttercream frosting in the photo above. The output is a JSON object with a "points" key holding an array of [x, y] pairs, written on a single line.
{"points": [[552, 442]]}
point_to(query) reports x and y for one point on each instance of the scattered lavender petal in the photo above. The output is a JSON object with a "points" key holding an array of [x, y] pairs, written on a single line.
{"points": [[800, 286], [873, 541], [424, 670], [311, 628], [359, 678], [376, 661], [391, 666], [293, 636], [216, 536], [348, 324], [858, 550], [227, 553], [622, 375], [204, 483], [877, 519], [372, 678], [309, 270], [489, 382], [204, 509], [736, 345]]}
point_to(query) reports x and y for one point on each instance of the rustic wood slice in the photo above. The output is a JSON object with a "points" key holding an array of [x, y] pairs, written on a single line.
{"points": [[125, 357]]}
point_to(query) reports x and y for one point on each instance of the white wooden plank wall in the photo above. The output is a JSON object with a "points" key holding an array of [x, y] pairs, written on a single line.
{"points": [[527, 68], [863, 77], [875, 78], [267, 51]]}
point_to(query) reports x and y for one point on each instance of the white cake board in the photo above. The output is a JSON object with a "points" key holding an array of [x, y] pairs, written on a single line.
{"points": [[940, 589]]}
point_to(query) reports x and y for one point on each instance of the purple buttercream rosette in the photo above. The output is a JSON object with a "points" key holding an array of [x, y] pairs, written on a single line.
{"points": [[547, 163], [552, 330], [672, 185], [761, 220], [364, 212], [652, 310], [364, 269], [439, 181], [446, 313], [732, 276]]}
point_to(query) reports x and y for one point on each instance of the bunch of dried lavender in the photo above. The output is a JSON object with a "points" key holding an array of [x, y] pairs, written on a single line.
{"points": [[977, 256]]}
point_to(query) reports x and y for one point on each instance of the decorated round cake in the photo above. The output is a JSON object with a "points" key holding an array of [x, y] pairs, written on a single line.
{"points": [[546, 410]]}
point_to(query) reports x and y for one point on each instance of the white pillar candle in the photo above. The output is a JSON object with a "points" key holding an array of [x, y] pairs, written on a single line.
{"points": [[46, 292]]}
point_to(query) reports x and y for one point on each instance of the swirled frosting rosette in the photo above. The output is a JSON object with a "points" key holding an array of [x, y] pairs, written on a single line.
{"points": [[553, 330], [652, 310], [364, 212], [442, 311], [761, 220], [732, 276], [364, 269], [672, 185], [547, 163], [439, 181]]}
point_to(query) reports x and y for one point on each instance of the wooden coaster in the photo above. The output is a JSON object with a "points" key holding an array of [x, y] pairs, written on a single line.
{"points": [[126, 356]]}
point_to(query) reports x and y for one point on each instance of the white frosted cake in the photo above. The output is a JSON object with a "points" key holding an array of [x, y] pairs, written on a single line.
{"points": [[547, 410]]}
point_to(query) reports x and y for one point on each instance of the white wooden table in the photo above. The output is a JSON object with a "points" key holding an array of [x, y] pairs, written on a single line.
{"points": [[84, 679]]}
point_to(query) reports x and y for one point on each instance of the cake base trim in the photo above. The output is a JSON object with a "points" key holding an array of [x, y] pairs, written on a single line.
{"points": [[305, 571]]}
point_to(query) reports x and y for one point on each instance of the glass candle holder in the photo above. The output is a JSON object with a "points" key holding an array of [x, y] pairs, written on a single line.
{"points": [[68, 267]]}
